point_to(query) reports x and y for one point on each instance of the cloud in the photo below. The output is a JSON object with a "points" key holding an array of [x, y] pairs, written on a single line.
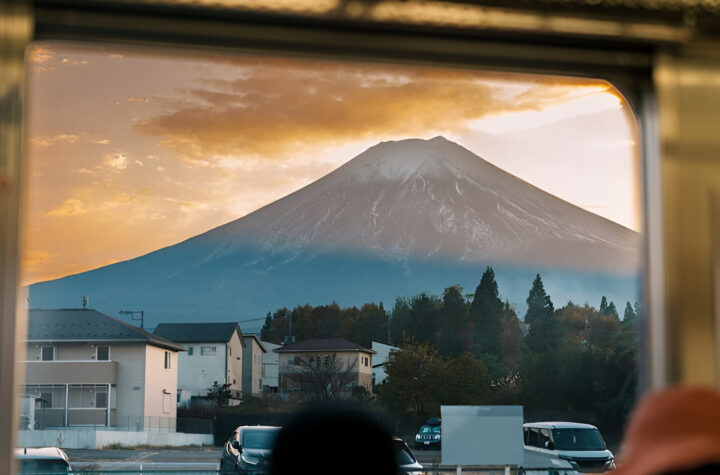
{"points": [[69, 207], [37, 257], [279, 106], [47, 141], [117, 161], [84, 171]]}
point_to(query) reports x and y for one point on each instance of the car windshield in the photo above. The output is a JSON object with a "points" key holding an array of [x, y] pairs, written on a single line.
{"points": [[259, 438], [578, 439], [430, 430], [43, 466], [403, 454]]}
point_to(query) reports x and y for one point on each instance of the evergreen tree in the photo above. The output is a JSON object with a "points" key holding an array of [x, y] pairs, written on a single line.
{"points": [[486, 312], [543, 334], [454, 331], [604, 305], [629, 315]]}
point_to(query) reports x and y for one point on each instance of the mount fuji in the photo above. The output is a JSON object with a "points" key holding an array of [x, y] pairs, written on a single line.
{"points": [[400, 218]]}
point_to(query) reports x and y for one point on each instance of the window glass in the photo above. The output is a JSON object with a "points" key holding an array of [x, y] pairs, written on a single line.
{"points": [[258, 438], [48, 353], [405, 237], [103, 353], [43, 466], [578, 439]]}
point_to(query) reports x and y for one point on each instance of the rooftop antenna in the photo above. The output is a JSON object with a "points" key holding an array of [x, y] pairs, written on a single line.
{"points": [[132, 314], [85, 301]]}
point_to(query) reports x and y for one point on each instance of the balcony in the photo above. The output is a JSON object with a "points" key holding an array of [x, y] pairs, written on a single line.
{"points": [[71, 372]]}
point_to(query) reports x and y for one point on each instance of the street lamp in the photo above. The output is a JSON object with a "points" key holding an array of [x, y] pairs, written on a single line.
{"points": [[132, 314]]}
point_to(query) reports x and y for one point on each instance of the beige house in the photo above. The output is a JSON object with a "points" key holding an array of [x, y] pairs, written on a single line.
{"points": [[252, 365], [215, 352], [328, 367], [85, 368]]}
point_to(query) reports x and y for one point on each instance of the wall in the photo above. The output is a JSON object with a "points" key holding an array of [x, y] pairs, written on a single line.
{"points": [[128, 396], [160, 383], [271, 363], [382, 355], [252, 366], [90, 439], [196, 372], [235, 362], [346, 359]]}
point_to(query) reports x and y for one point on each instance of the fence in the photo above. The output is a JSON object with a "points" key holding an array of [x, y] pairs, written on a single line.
{"points": [[126, 423]]}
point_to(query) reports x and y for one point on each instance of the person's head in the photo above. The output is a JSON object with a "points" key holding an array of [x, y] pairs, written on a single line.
{"points": [[333, 439], [673, 432]]}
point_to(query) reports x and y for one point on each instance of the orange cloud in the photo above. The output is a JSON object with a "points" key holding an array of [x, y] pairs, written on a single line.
{"points": [[47, 141], [69, 207], [279, 106], [37, 257]]}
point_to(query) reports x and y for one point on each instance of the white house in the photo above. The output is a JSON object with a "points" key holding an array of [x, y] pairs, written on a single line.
{"points": [[271, 366], [382, 353], [85, 368], [252, 365], [214, 353]]}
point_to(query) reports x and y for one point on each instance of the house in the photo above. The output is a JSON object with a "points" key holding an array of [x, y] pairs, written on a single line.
{"points": [[326, 358], [271, 364], [382, 354], [214, 353], [85, 368], [252, 365]]}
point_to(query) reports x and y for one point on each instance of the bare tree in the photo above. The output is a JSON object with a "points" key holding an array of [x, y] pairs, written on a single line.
{"points": [[323, 377]]}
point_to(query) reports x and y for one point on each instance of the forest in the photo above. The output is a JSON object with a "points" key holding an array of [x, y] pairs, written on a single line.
{"points": [[576, 362]]}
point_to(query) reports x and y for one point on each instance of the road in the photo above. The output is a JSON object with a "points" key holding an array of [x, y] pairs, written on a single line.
{"points": [[200, 459], [206, 458]]}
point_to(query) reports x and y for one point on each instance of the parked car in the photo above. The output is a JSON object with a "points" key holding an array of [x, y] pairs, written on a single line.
{"points": [[577, 447], [249, 449], [428, 437], [407, 463], [42, 460]]}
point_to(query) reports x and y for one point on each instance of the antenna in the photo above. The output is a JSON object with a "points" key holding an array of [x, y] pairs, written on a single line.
{"points": [[85, 301], [132, 314]]}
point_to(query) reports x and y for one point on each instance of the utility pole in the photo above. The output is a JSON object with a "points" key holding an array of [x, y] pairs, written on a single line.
{"points": [[132, 314]]}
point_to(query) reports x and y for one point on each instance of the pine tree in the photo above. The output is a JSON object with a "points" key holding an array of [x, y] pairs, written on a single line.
{"points": [[629, 315], [454, 332], [543, 333], [486, 312]]}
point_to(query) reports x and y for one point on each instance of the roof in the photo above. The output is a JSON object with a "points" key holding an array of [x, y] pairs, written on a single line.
{"points": [[86, 324], [257, 340], [322, 344], [560, 425], [219, 332]]}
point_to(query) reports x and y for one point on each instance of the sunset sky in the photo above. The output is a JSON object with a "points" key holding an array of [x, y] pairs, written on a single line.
{"points": [[132, 151]]}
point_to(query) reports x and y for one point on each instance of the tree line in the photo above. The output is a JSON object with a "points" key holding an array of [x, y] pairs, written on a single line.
{"points": [[473, 349]]}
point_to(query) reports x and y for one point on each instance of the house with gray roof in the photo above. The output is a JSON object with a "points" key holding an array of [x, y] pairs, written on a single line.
{"points": [[324, 358], [85, 368], [214, 353], [253, 365]]}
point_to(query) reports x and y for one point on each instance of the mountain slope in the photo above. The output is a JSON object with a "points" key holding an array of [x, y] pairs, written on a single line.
{"points": [[400, 216]]}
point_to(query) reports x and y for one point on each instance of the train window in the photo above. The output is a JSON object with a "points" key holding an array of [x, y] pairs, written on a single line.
{"points": [[405, 237]]}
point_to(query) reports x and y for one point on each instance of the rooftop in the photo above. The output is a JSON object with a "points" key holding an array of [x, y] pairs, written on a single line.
{"points": [[217, 332], [86, 324], [322, 344]]}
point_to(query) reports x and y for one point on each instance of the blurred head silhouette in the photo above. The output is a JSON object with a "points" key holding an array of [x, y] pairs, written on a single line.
{"points": [[333, 439], [676, 431]]}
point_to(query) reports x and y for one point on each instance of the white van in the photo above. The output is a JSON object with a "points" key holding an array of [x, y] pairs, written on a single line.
{"points": [[569, 446]]}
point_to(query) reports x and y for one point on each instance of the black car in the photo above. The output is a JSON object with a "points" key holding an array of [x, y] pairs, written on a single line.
{"points": [[248, 450], [428, 437]]}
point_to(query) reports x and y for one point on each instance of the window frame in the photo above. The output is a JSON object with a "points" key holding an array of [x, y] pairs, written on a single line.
{"points": [[133, 23], [167, 360], [97, 353]]}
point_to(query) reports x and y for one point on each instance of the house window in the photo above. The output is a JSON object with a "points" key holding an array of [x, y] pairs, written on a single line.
{"points": [[167, 360], [190, 350], [208, 350], [101, 399], [47, 353], [166, 403], [103, 353], [48, 398], [291, 361]]}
